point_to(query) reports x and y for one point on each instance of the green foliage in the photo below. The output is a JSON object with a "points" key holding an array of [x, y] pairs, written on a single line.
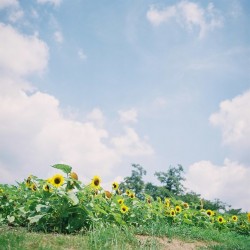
{"points": [[66, 205], [134, 182], [172, 179], [65, 168]]}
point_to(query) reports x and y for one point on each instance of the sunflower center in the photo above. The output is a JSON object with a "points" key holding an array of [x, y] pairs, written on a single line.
{"points": [[96, 182], [57, 180]]}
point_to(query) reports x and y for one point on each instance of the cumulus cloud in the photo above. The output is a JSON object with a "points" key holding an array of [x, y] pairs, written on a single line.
{"points": [[54, 2], [229, 182], [8, 3], [130, 144], [34, 131], [127, 116], [34, 134], [189, 15], [21, 54], [96, 116], [233, 119]]}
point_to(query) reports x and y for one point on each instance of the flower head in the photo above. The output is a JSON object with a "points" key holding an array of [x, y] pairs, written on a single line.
{"points": [[178, 209], [248, 216], [115, 185], [124, 209], [108, 194], [185, 205], [46, 187], [234, 218], [33, 187], [96, 182], [172, 213], [209, 212], [220, 219], [132, 195], [57, 180], [120, 201], [73, 175]]}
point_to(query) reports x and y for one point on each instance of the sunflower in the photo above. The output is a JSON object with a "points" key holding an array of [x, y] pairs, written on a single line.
{"points": [[220, 219], [234, 218], [248, 216], [185, 205], [120, 201], [172, 213], [124, 209], [115, 185], [209, 212], [96, 182], [28, 182], [128, 192], [73, 175], [108, 194], [132, 195], [149, 201], [33, 187], [57, 180], [46, 187], [178, 209], [167, 202]]}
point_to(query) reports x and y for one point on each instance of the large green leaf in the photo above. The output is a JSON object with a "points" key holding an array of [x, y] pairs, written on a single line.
{"points": [[65, 168], [35, 218]]}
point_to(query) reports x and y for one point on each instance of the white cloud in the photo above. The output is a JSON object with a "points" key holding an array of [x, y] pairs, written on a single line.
{"points": [[16, 15], [233, 119], [35, 134], [128, 116], [8, 3], [229, 182], [21, 54], [54, 2], [189, 15], [34, 131], [58, 37], [96, 116], [130, 144], [81, 55]]}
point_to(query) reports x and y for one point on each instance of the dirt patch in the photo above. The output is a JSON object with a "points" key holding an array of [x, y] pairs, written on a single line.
{"points": [[169, 244]]}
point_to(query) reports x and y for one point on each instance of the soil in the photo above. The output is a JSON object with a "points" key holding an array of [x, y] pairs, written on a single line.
{"points": [[171, 244]]}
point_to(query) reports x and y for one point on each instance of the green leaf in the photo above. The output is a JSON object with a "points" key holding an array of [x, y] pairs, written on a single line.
{"points": [[35, 218], [73, 198], [10, 218], [41, 208], [65, 168]]}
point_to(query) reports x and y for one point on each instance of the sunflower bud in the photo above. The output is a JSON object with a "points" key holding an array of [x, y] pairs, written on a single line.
{"points": [[73, 175]]}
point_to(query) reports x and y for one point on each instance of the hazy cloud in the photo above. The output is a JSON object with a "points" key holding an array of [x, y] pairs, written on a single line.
{"points": [[188, 15], [127, 116], [54, 2], [229, 182]]}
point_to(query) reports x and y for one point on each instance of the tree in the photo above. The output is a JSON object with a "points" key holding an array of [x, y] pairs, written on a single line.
{"points": [[172, 179], [156, 191], [135, 182]]}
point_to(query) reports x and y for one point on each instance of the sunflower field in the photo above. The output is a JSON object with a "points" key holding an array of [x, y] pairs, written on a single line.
{"points": [[64, 204]]}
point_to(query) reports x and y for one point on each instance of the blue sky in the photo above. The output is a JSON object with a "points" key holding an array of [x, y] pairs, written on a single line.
{"points": [[103, 84]]}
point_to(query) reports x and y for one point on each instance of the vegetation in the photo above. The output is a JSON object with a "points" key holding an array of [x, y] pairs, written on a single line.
{"points": [[101, 218]]}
